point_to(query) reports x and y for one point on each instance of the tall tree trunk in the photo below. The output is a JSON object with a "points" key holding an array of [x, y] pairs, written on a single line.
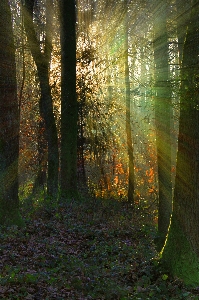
{"points": [[183, 16], [181, 253], [69, 108], [42, 61], [128, 114], [9, 122], [162, 121], [80, 143]]}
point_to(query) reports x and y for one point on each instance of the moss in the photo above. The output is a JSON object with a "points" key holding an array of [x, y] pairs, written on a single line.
{"points": [[179, 257]]}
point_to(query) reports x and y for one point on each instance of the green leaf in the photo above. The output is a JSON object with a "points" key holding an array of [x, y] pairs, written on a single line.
{"points": [[164, 277]]}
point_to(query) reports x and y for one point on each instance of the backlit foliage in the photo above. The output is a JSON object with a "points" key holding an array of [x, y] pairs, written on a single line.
{"points": [[102, 152]]}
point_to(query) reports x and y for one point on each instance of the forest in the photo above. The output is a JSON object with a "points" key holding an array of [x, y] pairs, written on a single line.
{"points": [[99, 149]]}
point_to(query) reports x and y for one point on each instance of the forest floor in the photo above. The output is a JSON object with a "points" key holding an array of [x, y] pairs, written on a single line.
{"points": [[84, 250]]}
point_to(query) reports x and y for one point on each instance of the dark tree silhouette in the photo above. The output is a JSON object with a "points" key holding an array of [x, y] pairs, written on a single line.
{"points": [[69, 108], [181, 253], [42, 60], [9, 122]]}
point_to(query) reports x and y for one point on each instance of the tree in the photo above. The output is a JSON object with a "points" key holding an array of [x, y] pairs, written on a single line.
{"points": [[42, 146], [163, 121], [181, 252], [182, 22], [128, 114], [9, 122], [69, 108], [42, 60]]}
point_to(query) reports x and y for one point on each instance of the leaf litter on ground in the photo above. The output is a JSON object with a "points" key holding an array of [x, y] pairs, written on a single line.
{"points": [[90, 250]]}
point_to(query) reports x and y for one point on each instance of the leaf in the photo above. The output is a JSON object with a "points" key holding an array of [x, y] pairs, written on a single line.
{"points": [[164, 277]]}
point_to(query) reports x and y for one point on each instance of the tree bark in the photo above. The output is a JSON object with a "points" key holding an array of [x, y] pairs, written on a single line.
{"points": [[183, 16], [41, 179], [69, 108], [42, 61], [162, 122], [131, 176], [9, 122], [181, 253]]}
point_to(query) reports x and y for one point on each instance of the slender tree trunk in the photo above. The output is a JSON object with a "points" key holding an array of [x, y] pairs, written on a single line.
{"points": [[9, 122], [69, 108], [42, 61], [80, 149], [128, 115], [41, 179], [163, 122], [181, 253]]}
